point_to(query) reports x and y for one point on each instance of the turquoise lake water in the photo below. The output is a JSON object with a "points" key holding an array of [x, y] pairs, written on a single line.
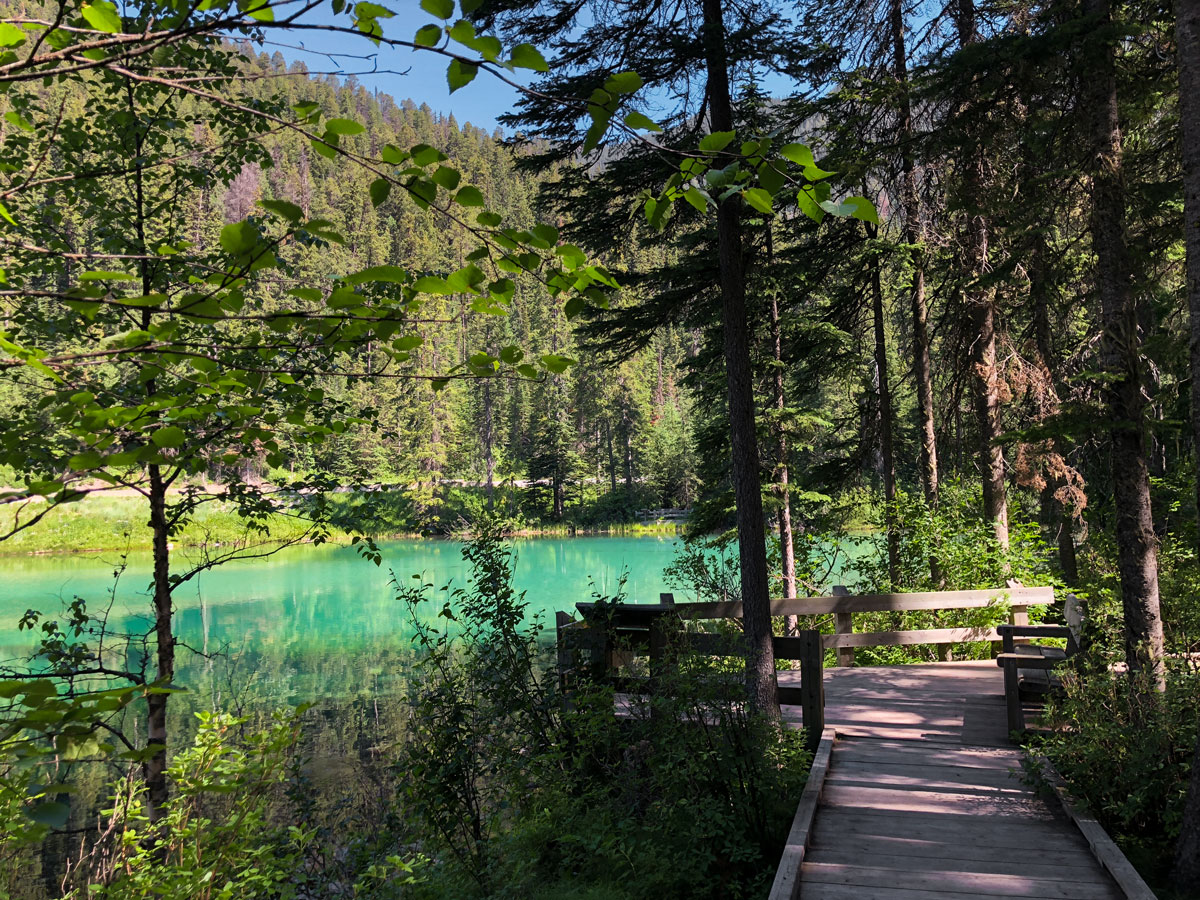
{"points": [[317, 621]]}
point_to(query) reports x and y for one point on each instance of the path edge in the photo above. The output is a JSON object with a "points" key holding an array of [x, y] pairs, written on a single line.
{"points": [[1107, 853], [787, 876]]}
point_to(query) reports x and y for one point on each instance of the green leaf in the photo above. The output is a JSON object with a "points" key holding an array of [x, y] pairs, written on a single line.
{"points": [[11, 35], [369, 10], [19, 120], [641, 121], [54, 814], [102, 15], [308, 110], [431, 284], [489, 219], [424, 155], [556, 364], [696, 198], [469, 196], [428, 35], [391, 274], [809, 206], [168, 436], [527, 56], [393, 155], [88, 459], [716, 142], [759, 199], [379, 190], [803, 157], [442, 9], [289, 211], [447, 177], [771, 178], [862, 208], [4, 214], [344, 126], [259, 10], [408, 342], [460, 74], [102, 275], [239, 238], [623, 83]]}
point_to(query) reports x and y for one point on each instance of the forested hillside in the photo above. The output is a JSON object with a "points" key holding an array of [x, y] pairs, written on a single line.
{"points": [[566, 439]]}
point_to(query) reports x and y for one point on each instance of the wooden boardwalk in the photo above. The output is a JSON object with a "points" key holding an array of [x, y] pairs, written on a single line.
{"points": [[924, 799]]}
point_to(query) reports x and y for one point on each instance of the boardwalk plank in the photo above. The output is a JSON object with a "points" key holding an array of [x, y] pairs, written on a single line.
{"points": [[1077, 868], [817, 891], [924, 798], [918, 775], [962, 882], [944, 803], [950, 829], [830, 837]]}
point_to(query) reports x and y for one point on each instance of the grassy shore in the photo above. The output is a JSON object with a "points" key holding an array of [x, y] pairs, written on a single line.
{"points": [[120, 523]]}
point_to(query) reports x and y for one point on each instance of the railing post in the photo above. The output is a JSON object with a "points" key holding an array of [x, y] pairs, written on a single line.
{"points": [[658, 652], [561, 621], [812, 686], [843, 623]]}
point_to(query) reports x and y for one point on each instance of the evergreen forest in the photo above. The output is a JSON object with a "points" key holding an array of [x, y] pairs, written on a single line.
{"points": [[903, 296]]}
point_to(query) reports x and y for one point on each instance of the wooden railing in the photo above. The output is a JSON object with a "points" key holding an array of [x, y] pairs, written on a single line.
{"points": [[600, 645], [842, 605], [606, 642]]}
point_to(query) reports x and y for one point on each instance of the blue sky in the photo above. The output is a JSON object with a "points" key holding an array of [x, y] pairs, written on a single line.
{"points": [[480, 102]]}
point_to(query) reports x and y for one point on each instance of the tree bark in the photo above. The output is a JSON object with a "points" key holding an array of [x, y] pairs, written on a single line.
{"points": [[488, 435], [984, 376], [914, 237], [787, 550], [155, 769], [885, 425], [756, 617], [1186, 873], [1121, 361], [1187, 33]]}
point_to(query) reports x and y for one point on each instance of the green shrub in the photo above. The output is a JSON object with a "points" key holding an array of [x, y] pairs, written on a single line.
{"points": [[1126, 752], [515, 790]]}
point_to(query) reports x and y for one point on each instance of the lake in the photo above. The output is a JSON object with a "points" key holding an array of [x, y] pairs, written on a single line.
{"points": [[316, 622]]}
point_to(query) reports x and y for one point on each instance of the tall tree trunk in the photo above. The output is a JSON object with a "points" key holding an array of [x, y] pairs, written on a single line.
{"points": [[1057, 516], [488, 434], [984, 376], [787, 550], [612, 463], [885, 423], [1187, 34], [756, 606], [155, 768], [914, 237], [1120, 357]]}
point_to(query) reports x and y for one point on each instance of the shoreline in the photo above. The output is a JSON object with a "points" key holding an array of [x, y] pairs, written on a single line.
{"points": [[663, 529]]}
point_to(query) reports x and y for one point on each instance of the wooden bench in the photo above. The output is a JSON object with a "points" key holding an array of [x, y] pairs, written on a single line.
{"points": [[1029, 668]]}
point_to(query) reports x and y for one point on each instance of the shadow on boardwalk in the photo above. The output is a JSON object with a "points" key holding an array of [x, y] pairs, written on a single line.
{"points": [[924, 797]]}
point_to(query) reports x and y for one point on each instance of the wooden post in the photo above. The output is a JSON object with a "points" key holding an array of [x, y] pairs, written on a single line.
{"points": [[658, 652], [843, 623], [812, 686], [561, 621]]}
